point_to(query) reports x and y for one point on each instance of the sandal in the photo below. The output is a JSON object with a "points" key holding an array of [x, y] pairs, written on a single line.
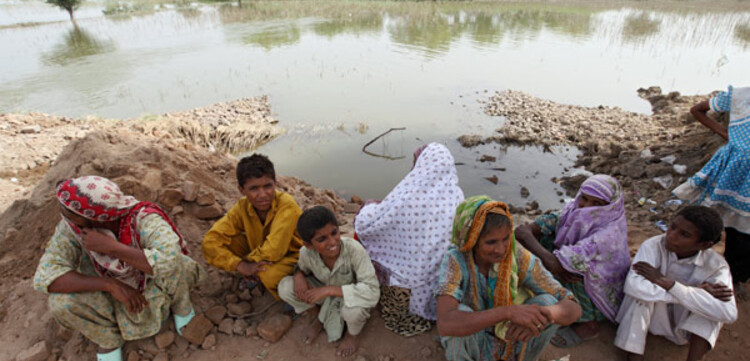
{"points": [[181, 321], [565, 337]]}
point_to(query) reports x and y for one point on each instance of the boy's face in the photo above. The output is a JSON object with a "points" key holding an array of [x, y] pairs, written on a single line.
{"points": [[327, 241], [683, 238], [259, 192]]}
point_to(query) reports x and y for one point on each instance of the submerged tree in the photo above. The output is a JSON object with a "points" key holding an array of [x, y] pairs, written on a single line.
{"points": [[67, 5]]}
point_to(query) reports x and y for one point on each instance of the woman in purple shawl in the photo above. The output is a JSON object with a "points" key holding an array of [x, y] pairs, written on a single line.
{"points": [[586, 247]]}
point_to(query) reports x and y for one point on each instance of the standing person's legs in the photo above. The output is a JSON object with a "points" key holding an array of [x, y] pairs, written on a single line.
{"points": [[737, 254]]}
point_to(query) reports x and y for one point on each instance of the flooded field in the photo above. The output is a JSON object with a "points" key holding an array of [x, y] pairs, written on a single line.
{"points": [[340, 73]]}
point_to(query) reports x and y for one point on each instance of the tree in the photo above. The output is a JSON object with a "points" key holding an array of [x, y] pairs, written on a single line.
{"points": [[67, 5]]}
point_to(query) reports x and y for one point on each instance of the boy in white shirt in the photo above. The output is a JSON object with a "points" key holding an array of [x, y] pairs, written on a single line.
{"points": [[678, 287]]}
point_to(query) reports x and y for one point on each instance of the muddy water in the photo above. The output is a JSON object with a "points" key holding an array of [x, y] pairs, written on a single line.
{"points": [[339, 74]]}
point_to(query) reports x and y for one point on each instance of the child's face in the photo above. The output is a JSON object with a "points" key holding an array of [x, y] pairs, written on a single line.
{"points": [[259, 192], [590, 201], [683, 238], [491, 245], [327, 241]]}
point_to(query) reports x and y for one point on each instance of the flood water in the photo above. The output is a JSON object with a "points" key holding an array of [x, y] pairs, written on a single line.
{"points": [[340, 73]]}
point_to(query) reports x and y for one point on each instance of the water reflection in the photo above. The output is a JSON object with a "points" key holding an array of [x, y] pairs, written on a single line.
{"points": [[76, 44], [351, 24], [276, 36], [639, 26], [742, 32]]}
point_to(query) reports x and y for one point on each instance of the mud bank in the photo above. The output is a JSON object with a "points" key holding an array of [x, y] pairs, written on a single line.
{"points": [[649, 154], [30, 143]]}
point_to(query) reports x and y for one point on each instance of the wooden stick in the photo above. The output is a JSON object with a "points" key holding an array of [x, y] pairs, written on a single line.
{"points": [[364, 148]]}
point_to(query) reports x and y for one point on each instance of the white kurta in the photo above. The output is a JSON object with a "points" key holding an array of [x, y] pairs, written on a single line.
{"points": [[683, 310]]}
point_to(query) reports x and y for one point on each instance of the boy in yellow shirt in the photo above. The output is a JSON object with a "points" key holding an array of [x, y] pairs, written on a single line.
{"points": [[257, 238]]}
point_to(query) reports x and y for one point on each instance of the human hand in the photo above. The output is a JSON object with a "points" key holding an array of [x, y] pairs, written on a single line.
{"points": [[250, 269], [718, 290], [313, 295], [517, 332], [130, 297], [99, 242], [532, 317], [553, 265], [652, 274], [300, 285]]}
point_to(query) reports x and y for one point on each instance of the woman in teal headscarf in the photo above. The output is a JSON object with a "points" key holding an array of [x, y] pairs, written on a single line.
{"points": [[495, 300]]}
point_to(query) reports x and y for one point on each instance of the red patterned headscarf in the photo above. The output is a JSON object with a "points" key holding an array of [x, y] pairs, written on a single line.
{"points": [[100, 200]]}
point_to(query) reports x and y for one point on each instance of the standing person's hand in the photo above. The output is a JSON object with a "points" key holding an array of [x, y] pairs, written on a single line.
{"points": [[250, 270], [130, 297]]}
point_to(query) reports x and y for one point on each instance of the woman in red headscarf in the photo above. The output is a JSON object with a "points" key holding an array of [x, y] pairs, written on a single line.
{"points": [[115, 267]]}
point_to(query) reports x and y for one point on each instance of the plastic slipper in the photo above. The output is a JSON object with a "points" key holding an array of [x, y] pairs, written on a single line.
{"points": [[182, 321], [565, 337], [115, 355]]}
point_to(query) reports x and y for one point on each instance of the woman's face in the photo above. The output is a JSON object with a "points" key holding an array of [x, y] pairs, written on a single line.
{"points": [[491, 245], [590, 201]]}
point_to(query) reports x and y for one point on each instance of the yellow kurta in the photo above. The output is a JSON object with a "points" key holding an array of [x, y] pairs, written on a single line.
{"points": [[240, 235]]}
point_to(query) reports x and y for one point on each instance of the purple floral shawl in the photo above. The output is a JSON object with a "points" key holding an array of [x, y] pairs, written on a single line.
{"points": [[593, 242]]}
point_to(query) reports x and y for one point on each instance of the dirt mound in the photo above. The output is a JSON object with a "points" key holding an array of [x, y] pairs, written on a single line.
{"points": [[29, 143], [194, 185]]}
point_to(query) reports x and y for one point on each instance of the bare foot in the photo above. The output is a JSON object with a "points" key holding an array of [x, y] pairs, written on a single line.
{"points": [[312, 331], [586, 330], [348, 346]]}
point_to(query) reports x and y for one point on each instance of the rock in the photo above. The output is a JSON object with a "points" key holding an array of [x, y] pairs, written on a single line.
{"points": [[161, 356], [181, 345], [240, 327], [226, 326], [133, 356], [252, 330], [164, 339], [274, 327], [238, 309], [216, 314], [492, 179], [231, 298], [469, 141], [426, 352], [532, 206], [356, 199], [197, 329], [351, 208], [190, 191], [170, 197], [487, 158], [361, 358], [525, 192], [177, 210], [209, 212], [206, 199], [209, 342], [31, 129], [245, 295], [37, 352]]}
